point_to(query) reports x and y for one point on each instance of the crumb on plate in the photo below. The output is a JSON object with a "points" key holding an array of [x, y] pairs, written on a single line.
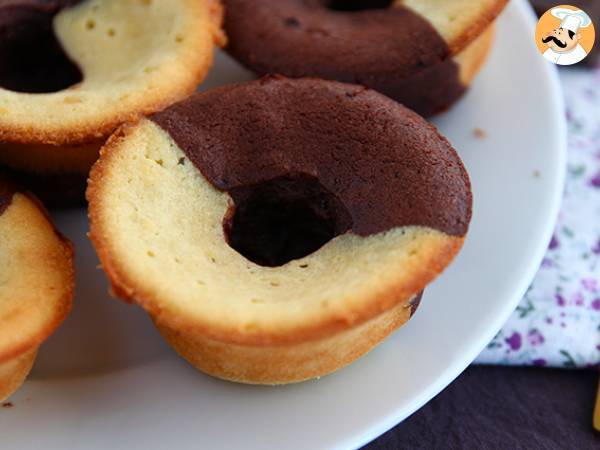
{"points": [[479, 133]]}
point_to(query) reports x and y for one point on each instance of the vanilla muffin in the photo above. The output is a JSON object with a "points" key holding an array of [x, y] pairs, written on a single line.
{"points": [[407, 50], [72, 71], [36, 283], [277, 230]]}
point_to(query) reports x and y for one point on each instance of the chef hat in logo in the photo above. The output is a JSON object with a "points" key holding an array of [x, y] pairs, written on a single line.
{"points": [[572, 20]]}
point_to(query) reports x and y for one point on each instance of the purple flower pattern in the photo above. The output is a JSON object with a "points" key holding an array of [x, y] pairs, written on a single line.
{"points": [[514, 341]]}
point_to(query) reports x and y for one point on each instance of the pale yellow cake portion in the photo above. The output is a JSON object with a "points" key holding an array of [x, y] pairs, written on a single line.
{"points": [[14, 372], [157, 226], [137, 56], [459, 22], [472, 59], [283, 364], [36, 286]]}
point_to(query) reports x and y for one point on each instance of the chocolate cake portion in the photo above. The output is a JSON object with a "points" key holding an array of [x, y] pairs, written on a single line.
{"points": [[318, 158], [382, 46], [31, 57]]}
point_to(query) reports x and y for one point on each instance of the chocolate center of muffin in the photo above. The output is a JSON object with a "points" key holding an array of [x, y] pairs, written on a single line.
{"points": [[31, 57], [282, 219], [357, 5]]}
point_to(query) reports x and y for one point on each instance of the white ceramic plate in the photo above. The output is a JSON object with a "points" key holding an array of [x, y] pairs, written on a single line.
{"points": [[107, 380]]}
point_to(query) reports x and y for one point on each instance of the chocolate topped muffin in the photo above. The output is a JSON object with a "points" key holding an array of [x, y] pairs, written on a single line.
{"points": [[299, 132], [402, 49], [276, 222]]}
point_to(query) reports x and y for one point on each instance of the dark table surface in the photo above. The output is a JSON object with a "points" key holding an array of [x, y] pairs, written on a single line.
{"points": [[504, 408]]}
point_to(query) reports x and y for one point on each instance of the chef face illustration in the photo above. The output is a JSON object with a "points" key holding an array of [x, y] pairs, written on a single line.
{"points": [[561, 40], [563, 43]]}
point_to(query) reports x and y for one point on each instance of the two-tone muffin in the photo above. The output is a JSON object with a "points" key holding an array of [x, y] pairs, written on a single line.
{"points": [[72, 71], [279, 229], [422, 53]]}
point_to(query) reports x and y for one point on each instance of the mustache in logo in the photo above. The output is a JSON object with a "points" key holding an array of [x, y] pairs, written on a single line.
{"points": [[556, 41]]}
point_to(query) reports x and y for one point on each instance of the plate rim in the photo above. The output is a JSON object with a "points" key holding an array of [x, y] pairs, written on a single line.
{"points": [[460, 365], [398, 408]]}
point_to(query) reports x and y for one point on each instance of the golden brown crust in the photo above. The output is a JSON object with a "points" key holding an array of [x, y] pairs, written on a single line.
{"points": [[39, 289], [433, 259], [93, 196], [472, 59], [49, 159], [84, 131], [469, 34], [217, 14], [13, 373], [289, 363], [459, 22]]}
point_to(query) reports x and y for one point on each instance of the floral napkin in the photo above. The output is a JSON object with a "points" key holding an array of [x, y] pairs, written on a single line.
{"points": [[558, 321]]}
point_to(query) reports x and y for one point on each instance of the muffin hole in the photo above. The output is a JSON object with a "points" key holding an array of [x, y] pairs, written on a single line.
{"points": [[283, 219], [90, 24], [357, 5], [179, 39], [151, 254], [111, 32], [31, 57]]}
